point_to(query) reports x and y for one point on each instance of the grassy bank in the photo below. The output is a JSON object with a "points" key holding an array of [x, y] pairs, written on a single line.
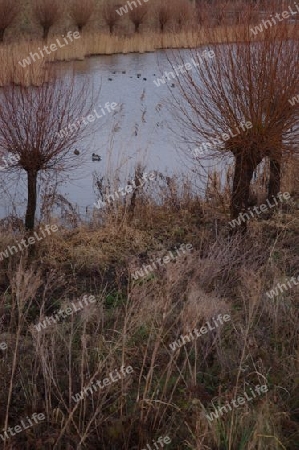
{"points": [[133, 322]]}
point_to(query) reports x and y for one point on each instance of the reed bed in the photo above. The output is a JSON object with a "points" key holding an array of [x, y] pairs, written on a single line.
{"points": [[101, 43], [12, 71]]}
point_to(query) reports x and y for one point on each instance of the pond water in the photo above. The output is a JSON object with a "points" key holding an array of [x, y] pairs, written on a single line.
{"points": [[138, 130]]}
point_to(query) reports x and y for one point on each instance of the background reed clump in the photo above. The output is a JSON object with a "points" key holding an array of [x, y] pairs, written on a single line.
{"points": [[133, 323]]}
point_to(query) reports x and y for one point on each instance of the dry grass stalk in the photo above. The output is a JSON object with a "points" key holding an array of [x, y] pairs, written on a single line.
{"points": [[136, 325]]}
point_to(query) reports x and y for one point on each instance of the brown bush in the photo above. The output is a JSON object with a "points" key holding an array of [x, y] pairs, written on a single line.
{"points": [[8, 11], [81, 11], [47, 13]]}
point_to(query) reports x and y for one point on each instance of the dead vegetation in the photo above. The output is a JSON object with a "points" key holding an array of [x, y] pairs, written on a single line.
{"points": [[133, 323]]}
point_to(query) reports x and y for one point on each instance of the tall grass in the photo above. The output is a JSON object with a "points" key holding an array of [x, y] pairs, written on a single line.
{"points": [[133, 323]]}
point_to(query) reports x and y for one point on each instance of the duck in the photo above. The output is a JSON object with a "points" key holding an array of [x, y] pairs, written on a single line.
{"points": [[110, 79], [95, 157], [76, 152]]}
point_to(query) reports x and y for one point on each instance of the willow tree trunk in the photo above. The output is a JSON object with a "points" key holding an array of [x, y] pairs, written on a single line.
{"points": [[244, 169], [274, 179], [31, 200]]}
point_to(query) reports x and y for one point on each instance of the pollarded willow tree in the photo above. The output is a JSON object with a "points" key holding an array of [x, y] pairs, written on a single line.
{"points": [[183, 13], [47, 13], [163, 12], [9, 9], [250, 80], [81, 12], [110, 15], [40, 126], [138, 15]]}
